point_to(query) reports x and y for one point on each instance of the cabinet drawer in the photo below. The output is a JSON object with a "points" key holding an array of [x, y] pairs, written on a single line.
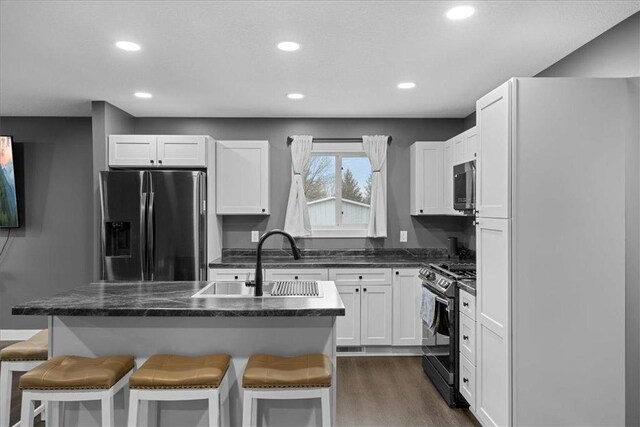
{"points": [[467, 338], [468, 381], [296, 274], [467, 304], [231, 275], [364, 276]]}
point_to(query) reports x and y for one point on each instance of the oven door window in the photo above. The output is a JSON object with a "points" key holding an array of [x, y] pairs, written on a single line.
{"points": [[437, 347]]}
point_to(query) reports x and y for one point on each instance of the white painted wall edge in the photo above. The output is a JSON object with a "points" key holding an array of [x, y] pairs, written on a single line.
{"points": [[17, 334]]}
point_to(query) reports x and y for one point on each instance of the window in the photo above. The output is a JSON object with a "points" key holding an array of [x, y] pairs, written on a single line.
{"points": [[337, 184]]}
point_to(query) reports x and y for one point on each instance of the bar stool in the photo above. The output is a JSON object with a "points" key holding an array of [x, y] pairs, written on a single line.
{"points": [[73, 379], [20, 357], [165, 377], [274, 377]]}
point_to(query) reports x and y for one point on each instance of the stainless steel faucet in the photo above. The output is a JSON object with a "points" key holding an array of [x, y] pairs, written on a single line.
{"points": [[258, 277]]}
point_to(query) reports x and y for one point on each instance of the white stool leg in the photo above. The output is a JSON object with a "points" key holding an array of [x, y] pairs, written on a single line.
{"points": [[5, 393], [247, 412], [133, 408], [107, 410], [143, 413], [326, 407], [214, 408], [53, 413], [26, 417]]}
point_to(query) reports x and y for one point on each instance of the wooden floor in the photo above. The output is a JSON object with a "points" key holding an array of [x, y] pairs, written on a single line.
{"points": [[372, 391]]}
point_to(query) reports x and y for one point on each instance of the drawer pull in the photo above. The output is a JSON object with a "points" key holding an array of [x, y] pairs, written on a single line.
{"points": [[296, 277], [360, 277], [236, 277], [365, 289], [465, 380], [357, 290], [465, 304], [465, 337], [397, 272]]}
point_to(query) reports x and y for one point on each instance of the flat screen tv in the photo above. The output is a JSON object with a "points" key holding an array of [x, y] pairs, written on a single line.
{"points": [[8, 196]]}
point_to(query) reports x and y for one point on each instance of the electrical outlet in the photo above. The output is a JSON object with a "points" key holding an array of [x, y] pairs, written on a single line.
{"points": [[403, 236], [255, 236]]}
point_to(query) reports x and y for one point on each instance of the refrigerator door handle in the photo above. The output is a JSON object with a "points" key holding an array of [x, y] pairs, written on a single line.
{"points": [[150, 238], [143, 233]]}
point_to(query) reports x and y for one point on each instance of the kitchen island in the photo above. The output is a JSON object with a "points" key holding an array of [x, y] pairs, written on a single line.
{"points": [[146, 318]]}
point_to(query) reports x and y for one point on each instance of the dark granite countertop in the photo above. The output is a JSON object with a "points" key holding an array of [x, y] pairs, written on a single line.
{"points": [[174, 299], [372, 258]]}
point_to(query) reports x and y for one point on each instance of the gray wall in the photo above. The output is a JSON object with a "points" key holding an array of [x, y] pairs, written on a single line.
{"points": [[422, 232], [615, 53], [51, 251], [106, 119]]}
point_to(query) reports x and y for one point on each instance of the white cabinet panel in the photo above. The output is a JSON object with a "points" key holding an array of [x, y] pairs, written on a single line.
{"points": [[467, 338], [470, 144], [376, 321], [448, 177], [426, 178], [296, 274], [360, 276], [458, 145], [493, 181], [182, 150], [467, 304], [492, 320], [467, 380], [243, 177], [348, 326], [132, 150], [232, 275], [407, 299]]}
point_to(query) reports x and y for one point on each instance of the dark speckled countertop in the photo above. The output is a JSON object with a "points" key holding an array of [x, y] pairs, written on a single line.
{"points": [[174, 299], [351, 258]]}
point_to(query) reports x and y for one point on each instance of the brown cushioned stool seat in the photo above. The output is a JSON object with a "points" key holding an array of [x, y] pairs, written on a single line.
{"points": [[77, 373], [35, 348], [168, 371], [268, 371]]}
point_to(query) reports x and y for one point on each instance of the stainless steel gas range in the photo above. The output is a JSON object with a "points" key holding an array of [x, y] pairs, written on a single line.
{"points": [[440, 350]]}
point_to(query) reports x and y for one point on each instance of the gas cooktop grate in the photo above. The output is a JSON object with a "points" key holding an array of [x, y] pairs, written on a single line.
{"points": [[298, 288]]}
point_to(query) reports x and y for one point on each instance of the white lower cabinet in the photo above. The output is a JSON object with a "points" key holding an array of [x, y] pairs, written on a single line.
{"points": [[296, 274], [407, 300], [231, 274], [467, 338], [348, 326], [376, 315], [467, 380]]}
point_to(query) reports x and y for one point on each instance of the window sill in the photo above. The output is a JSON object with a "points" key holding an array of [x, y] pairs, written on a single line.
{"points": [[357, 233]]}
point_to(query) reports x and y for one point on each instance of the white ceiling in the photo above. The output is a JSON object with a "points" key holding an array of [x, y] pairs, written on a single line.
{"points": [[218, 59]]}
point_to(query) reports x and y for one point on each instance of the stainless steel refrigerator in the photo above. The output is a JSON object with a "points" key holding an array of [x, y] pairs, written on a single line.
{"points": [[153, 225]]}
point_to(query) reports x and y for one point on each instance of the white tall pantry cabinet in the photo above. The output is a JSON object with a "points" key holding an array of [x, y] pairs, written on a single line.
{"points": [[550, 239]]}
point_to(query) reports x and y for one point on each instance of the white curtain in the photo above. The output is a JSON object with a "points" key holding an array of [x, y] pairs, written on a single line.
{"points": [[375, 146], [297, 222]]}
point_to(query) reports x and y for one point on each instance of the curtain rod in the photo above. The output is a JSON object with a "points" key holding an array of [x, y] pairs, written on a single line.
{"points": [[290, 140]]}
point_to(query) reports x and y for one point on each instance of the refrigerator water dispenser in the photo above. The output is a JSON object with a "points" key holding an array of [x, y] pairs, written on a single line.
{"points": [[118, 239]]}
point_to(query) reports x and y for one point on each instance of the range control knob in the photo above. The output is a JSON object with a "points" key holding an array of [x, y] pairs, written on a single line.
{"points": [[431, 276]]}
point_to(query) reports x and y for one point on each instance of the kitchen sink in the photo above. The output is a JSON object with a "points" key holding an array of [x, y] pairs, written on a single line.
{"points": [[285, 289]]}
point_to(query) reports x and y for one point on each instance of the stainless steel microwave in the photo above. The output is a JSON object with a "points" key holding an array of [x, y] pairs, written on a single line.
{"points": [[464, 187]]}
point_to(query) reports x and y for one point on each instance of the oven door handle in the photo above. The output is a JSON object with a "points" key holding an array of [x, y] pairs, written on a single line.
{"points": [[438, 298]]}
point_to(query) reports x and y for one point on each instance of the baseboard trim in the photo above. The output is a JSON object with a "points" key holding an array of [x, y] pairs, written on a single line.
{"points": [[17, 334], [356, 351]]}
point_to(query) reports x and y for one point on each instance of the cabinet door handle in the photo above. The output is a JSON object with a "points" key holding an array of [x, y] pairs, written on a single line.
{"points": [[397, 272], [465, 380], [365, 289], [476, 223], [159, 162], [357, 290], [151, 161], [360, 277], [296, 277], [421, 211], [465, 304], [465, 337], [264, 210], [236, 277]]}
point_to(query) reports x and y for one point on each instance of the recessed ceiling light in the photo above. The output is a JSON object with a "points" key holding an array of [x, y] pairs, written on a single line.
{"points": [[406, 85], [460, 12], [128, 46], [295, 96], [145, 95], [288, 46]]}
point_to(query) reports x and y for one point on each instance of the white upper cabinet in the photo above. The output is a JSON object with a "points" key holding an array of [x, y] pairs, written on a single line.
{"points": [[407, 300], [151, 151], [448, 177], [493, 180], [242, 177], [426, 178], [182, 150], [132, 150], [464, 146]]}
